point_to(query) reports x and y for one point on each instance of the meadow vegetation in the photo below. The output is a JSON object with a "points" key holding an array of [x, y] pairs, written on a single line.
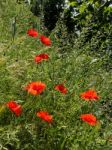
{"points": [[72, 62]]}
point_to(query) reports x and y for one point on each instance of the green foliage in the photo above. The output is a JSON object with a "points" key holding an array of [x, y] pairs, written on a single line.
{"points": [[92, 21], [63, 40], [97, 12], [96, 42], [77, 69]]}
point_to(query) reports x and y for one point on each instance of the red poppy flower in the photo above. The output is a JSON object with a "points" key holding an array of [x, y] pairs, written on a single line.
{"points": [[89, 95], [45, 40], [89, 118], [14, 107], [61, 88], [35, 88], [40, 57], [45, 116], [32, 32]]}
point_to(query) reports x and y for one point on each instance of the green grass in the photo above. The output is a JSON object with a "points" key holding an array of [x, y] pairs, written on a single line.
{"points": [[80, 72]]}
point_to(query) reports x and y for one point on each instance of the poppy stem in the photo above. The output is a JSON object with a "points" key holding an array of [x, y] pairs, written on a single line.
{"points": [[53, 75]]}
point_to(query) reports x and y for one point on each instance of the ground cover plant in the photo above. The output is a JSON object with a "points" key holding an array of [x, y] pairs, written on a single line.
{"points": [[51, 97]]}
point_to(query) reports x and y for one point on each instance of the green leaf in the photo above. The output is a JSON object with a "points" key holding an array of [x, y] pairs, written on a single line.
{"points": [[73, 4], [82, 8]]}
